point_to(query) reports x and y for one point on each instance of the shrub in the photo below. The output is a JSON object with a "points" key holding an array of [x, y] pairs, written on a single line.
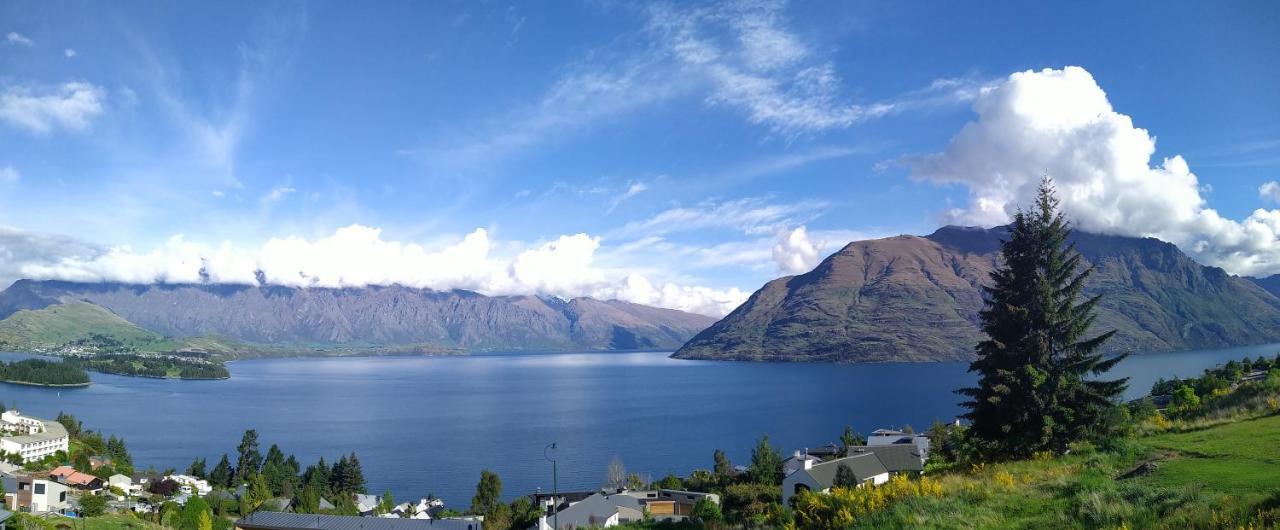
{"points": [[843, 506]]}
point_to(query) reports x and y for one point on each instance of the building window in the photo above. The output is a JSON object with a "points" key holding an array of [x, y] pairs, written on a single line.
{"points": [[39, 489]]}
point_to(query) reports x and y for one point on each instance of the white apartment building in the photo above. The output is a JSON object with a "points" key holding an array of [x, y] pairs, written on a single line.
{"points": [[32, 438]]}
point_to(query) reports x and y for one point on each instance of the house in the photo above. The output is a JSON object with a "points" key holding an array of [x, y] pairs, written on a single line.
{"points": [[892, 437], [897, 458], [36, 494], [866, 469], [797, 461], [192, 485], [263, 520], [125, 483], [82, 481], [32, 438], [367, 504], [825, 452], [606, 509]]}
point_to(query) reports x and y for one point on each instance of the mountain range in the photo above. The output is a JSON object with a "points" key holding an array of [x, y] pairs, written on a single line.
{"points": [[53, 315], [910, 298]]}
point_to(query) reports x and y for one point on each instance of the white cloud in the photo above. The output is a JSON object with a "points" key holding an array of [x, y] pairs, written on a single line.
{"points": [[69, 53], [71, 106], [358, 255], [1060, 122], [19, 39], [633, 189], [754, 62], [9, 176], [794, 253], [278, 192], [1269, 191], [751, 216]]}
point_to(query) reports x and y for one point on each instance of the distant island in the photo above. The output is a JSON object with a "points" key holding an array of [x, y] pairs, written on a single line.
{"points": [[39, 372], [174, 366]]}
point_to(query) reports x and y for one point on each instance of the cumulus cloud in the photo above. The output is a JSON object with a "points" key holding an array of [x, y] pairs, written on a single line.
{"points": [[1270, 191], [1061, 123], [358, 255], [794, 253], [19, 39], [70, 106], [69, 52]]}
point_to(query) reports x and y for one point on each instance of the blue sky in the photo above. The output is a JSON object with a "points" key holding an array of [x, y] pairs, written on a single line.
{"points": [[663, 153]]}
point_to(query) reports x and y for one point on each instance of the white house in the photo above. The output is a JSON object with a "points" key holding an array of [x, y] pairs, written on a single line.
{"points": [[124, 483], [35, 494], [32, 438], [192, 485], [821, 477]]}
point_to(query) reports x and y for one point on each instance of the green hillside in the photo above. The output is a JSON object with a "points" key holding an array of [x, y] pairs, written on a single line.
{"points": [[74, 326], [81, 327]]}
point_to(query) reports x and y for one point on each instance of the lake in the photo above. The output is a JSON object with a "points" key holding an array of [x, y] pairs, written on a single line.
{"points": [[430, 424]]}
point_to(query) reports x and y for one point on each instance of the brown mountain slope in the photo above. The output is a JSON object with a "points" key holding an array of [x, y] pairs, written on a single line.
{"points": [[372, 316], [911, 298]]}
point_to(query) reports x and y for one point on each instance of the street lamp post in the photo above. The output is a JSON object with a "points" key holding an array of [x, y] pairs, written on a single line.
{"points": [[555, 487]]}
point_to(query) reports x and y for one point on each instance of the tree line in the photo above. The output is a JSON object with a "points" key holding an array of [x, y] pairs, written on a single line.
{"points": [[42, 372]]}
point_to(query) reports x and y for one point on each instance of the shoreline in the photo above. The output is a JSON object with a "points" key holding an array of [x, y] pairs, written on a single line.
{"points": [[48, 385]]}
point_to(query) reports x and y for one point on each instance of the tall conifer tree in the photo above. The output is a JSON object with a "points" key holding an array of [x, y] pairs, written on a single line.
{"points": [[1034, 388]]}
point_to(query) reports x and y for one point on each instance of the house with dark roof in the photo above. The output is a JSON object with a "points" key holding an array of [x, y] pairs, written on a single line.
{"points": [[897, 458], [894, 437], [612, 508], [865, 467]]}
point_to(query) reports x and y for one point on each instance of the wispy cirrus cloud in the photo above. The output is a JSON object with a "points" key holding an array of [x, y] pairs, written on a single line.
{"points": [[752, 216]]}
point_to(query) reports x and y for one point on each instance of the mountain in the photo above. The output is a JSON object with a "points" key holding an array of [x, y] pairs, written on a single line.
{"points": [[910, 298], [299, 320]]}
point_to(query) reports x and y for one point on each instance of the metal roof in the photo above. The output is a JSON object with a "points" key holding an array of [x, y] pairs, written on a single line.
{"points": [[299, 521], [864, 466], [895, 457]]}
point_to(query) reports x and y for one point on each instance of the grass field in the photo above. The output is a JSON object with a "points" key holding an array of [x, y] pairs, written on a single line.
{"points": [[1221, 477], [1240, 458]]}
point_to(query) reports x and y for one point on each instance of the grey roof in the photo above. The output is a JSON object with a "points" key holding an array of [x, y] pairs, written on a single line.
{"points": [[600, 506], [5, 515], [896, 457], [299, 521], [52, 431], [864, 466]]}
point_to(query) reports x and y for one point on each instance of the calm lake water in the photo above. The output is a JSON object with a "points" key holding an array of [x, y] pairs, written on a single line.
{"points": [[429, 425]]}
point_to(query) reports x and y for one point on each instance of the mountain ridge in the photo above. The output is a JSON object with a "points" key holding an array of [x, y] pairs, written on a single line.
{"points": [[916, 298], [366, 317]]}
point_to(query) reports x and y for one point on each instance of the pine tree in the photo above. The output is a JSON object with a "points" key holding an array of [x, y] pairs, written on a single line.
{"points": [[1033, 393], [353, 478], [488, 493], [222, 473], [844, 477], [766, 463], [250, 460]]}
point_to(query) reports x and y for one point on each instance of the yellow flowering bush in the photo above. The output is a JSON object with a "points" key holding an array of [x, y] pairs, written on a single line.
{"points": [[843, 506]]}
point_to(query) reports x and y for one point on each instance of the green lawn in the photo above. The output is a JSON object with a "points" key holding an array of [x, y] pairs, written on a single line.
{"points": [[1239, 458]]}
